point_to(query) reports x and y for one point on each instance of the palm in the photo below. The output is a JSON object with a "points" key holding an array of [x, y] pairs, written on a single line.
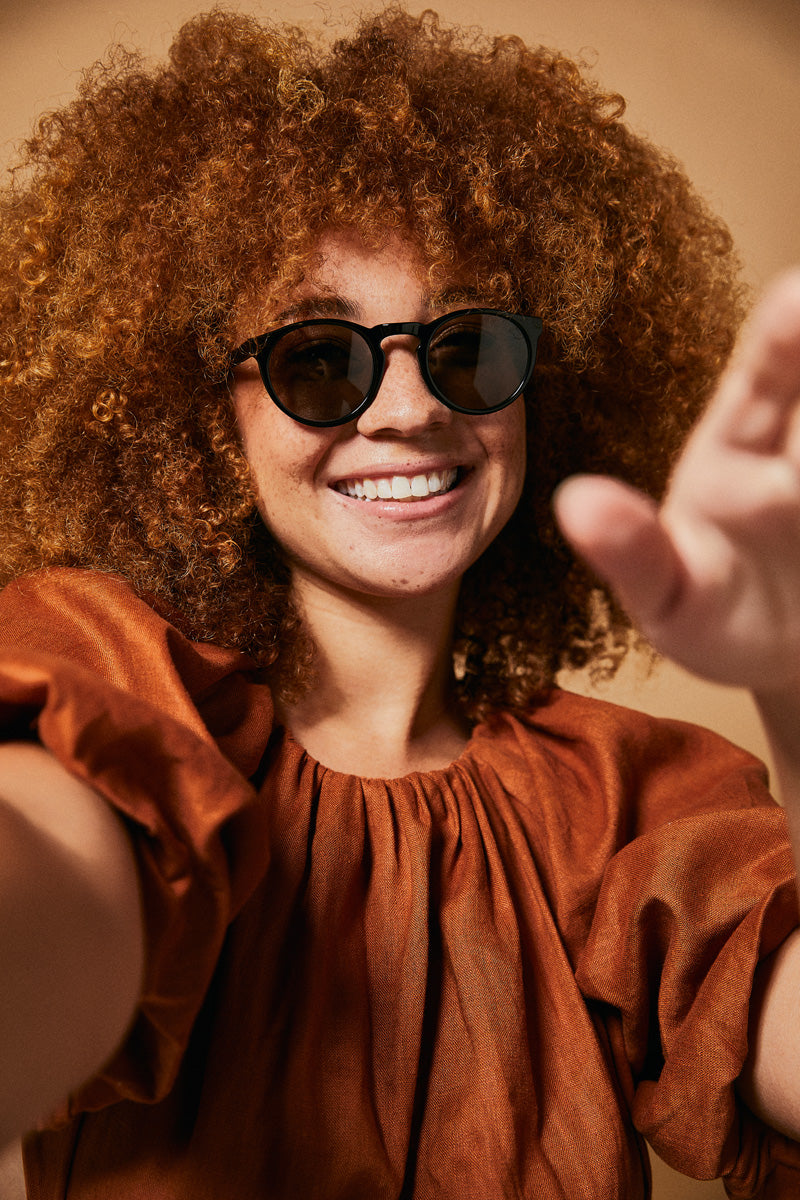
{"points": [[712, 578]]}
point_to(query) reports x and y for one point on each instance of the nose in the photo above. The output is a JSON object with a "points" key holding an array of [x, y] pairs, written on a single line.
{"points": [[404, 406]]}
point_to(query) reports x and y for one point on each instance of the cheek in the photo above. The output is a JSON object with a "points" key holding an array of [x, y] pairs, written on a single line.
{"points": [[279, 477], [278, 453], [510, 457]]}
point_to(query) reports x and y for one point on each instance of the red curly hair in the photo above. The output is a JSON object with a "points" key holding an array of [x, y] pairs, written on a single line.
{"points": [[164, 204]]}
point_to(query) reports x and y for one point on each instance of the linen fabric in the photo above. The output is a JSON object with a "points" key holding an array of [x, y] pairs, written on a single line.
{"points": [[491, 980]]}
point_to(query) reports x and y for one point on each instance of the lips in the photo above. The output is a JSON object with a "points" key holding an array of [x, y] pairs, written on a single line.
{"points": [[407, 487]]}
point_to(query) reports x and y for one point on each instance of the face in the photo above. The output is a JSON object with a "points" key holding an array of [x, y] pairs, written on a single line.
{"points": [[391, 545]]}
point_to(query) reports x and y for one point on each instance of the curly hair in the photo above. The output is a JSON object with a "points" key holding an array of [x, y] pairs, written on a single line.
{"points": [[163, 203]]}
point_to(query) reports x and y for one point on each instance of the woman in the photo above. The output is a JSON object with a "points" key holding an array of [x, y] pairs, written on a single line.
{"points": [[316, 885]]}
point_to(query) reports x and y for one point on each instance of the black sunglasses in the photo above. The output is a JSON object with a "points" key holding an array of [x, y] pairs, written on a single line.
{"points": [[326, 372]]}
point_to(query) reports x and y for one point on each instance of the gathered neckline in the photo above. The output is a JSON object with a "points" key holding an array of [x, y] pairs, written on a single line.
{"points": [[289, 740]]}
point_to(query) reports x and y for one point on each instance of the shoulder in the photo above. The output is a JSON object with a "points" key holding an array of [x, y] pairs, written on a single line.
{"points": [[90, 614], [87, 633], [620, 759]]}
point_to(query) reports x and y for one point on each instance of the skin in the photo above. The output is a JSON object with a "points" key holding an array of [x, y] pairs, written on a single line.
{"points": [[71, 939], [378, 580], [712, 577], [721, 554]]}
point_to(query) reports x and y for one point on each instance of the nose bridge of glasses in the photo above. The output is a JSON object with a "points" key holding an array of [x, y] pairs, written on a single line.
{"points": [[399, 329], [390, 329]]}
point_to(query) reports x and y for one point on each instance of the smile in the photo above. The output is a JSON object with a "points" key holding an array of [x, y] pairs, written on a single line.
{"points": [[400, 487]]}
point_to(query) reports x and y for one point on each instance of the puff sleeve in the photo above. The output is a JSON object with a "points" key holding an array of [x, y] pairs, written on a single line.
{"points": [[168, 732], [686, 910]]}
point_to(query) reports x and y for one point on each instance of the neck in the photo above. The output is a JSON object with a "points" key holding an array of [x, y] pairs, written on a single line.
{"points": [[381, 703]]}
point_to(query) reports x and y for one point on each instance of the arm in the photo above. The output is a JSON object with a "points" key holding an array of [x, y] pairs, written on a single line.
{"points": [[71, 945], [712, 578], [770, 1082]]}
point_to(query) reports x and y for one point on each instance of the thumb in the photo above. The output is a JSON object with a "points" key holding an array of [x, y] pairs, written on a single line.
{"points": [[617, 531]]}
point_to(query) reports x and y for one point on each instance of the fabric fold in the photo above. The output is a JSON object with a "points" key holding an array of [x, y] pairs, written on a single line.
{"points": [[491, 979], [128, 726]]}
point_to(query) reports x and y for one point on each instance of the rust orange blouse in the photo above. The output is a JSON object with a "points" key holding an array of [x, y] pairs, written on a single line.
{"points": [[480, 982]]}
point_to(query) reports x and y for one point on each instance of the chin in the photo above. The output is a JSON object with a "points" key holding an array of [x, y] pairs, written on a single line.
{"points": [[400, 580]]}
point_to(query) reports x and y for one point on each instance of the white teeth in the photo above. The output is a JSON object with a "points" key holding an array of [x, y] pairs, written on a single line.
{"points": [[400, 487]]}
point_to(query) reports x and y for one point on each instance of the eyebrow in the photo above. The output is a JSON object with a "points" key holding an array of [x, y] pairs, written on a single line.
{"points": [[330, 304], [324, 305]]}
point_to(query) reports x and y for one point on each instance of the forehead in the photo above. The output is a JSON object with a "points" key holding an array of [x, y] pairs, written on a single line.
{"points": [[347, 269], [345, 275]]}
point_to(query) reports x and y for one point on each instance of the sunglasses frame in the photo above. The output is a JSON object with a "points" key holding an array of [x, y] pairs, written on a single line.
{"points": [[262, 346]]}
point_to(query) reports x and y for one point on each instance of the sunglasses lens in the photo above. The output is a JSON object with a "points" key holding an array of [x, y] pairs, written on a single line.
{"points": [[320, 372], [478, 361]]}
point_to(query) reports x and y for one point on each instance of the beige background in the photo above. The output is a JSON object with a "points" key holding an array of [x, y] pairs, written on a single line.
{"points": [[715, 81]]}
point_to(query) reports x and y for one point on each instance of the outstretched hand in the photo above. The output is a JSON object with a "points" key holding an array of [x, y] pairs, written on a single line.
{"points": [[712, 576]]}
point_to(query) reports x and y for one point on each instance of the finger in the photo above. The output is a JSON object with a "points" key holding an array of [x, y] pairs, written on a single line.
{"points": [[760, 391], [618, 532]]}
